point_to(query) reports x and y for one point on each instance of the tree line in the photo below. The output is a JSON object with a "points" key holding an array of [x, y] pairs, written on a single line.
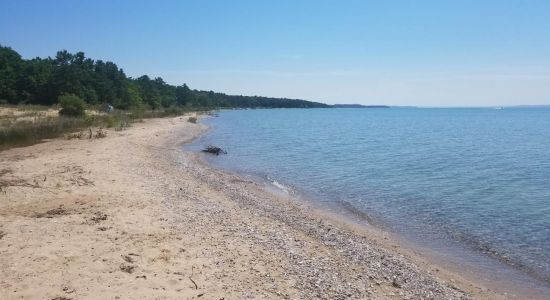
{"points": [[43, 80]]}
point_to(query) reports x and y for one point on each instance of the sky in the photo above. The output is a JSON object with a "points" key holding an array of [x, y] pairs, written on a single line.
{"points": [[423, 53]]}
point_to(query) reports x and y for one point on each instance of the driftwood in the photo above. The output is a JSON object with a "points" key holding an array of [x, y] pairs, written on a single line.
{"points": [[214, 150], [194, 283]]}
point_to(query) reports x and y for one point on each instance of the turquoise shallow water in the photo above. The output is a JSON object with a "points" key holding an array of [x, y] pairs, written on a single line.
{"points": [[479, 177]]}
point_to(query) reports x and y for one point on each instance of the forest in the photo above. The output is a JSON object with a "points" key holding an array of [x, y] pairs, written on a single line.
{"points": [[42, 81]]}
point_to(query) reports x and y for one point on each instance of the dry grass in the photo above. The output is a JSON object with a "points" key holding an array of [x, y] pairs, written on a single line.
{"points": [[26, 125], [13, 113], [165, 256], [24, 132], [7, 180], [100, 134]]}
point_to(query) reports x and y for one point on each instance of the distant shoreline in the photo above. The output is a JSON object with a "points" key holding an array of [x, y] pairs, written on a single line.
{"points": [[359, 106]]}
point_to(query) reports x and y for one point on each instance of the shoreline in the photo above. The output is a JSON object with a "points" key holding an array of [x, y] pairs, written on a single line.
{"points": [[504, 280], [479, 254], [132, 215]]}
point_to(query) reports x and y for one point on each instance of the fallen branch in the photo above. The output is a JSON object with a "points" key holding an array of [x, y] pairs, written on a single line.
{"points": [[193, 281], [214, 150]]}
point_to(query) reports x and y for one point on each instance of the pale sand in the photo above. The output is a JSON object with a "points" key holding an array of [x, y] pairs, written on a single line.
{"points": [[131, 216]]}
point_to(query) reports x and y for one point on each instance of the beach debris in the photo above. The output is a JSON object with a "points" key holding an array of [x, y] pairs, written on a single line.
{"points": [[214, 150], [100, 134], [98, 217], [52, 213], [164, 255], [192, 120], [79, 135], [127, 259], [57, 211], [15, 182], [127, 268], [193, 281], [2, 234], [68, 290]]}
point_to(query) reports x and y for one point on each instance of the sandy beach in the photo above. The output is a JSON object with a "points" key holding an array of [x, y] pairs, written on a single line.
{"points": [[132, 216]]}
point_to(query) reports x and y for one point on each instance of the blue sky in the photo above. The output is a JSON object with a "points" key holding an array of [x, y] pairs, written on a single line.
{"points": [[428, 53]]}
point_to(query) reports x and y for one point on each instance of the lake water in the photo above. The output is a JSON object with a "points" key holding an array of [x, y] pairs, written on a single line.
{"points": [[478, 178]]}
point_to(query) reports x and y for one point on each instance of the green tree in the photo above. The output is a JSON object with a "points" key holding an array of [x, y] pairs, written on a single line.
{"points": [[43, 81], [10, 69], [148, 91], [184, 95], [131, 98], [34, 83]]}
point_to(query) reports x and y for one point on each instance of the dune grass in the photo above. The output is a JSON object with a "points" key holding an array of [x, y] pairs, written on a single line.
{"points": [[23, 129], [22, 133]]}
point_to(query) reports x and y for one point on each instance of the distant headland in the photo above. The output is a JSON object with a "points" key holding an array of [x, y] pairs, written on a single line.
{"points": [[359, 106]]}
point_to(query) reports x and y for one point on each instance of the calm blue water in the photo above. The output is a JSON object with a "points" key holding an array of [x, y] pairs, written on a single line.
{"points": [[477, 177]]}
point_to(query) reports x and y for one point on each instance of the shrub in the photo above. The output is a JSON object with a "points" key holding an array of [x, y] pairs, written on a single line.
{"points": [[110, 121], [137, 111], [122, 124], [174, 111], [118, 121], [192, 120], [72, 106]]}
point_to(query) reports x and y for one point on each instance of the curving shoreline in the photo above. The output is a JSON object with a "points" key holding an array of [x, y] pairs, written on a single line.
{"points": [[463, 259], [133, 216]]}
